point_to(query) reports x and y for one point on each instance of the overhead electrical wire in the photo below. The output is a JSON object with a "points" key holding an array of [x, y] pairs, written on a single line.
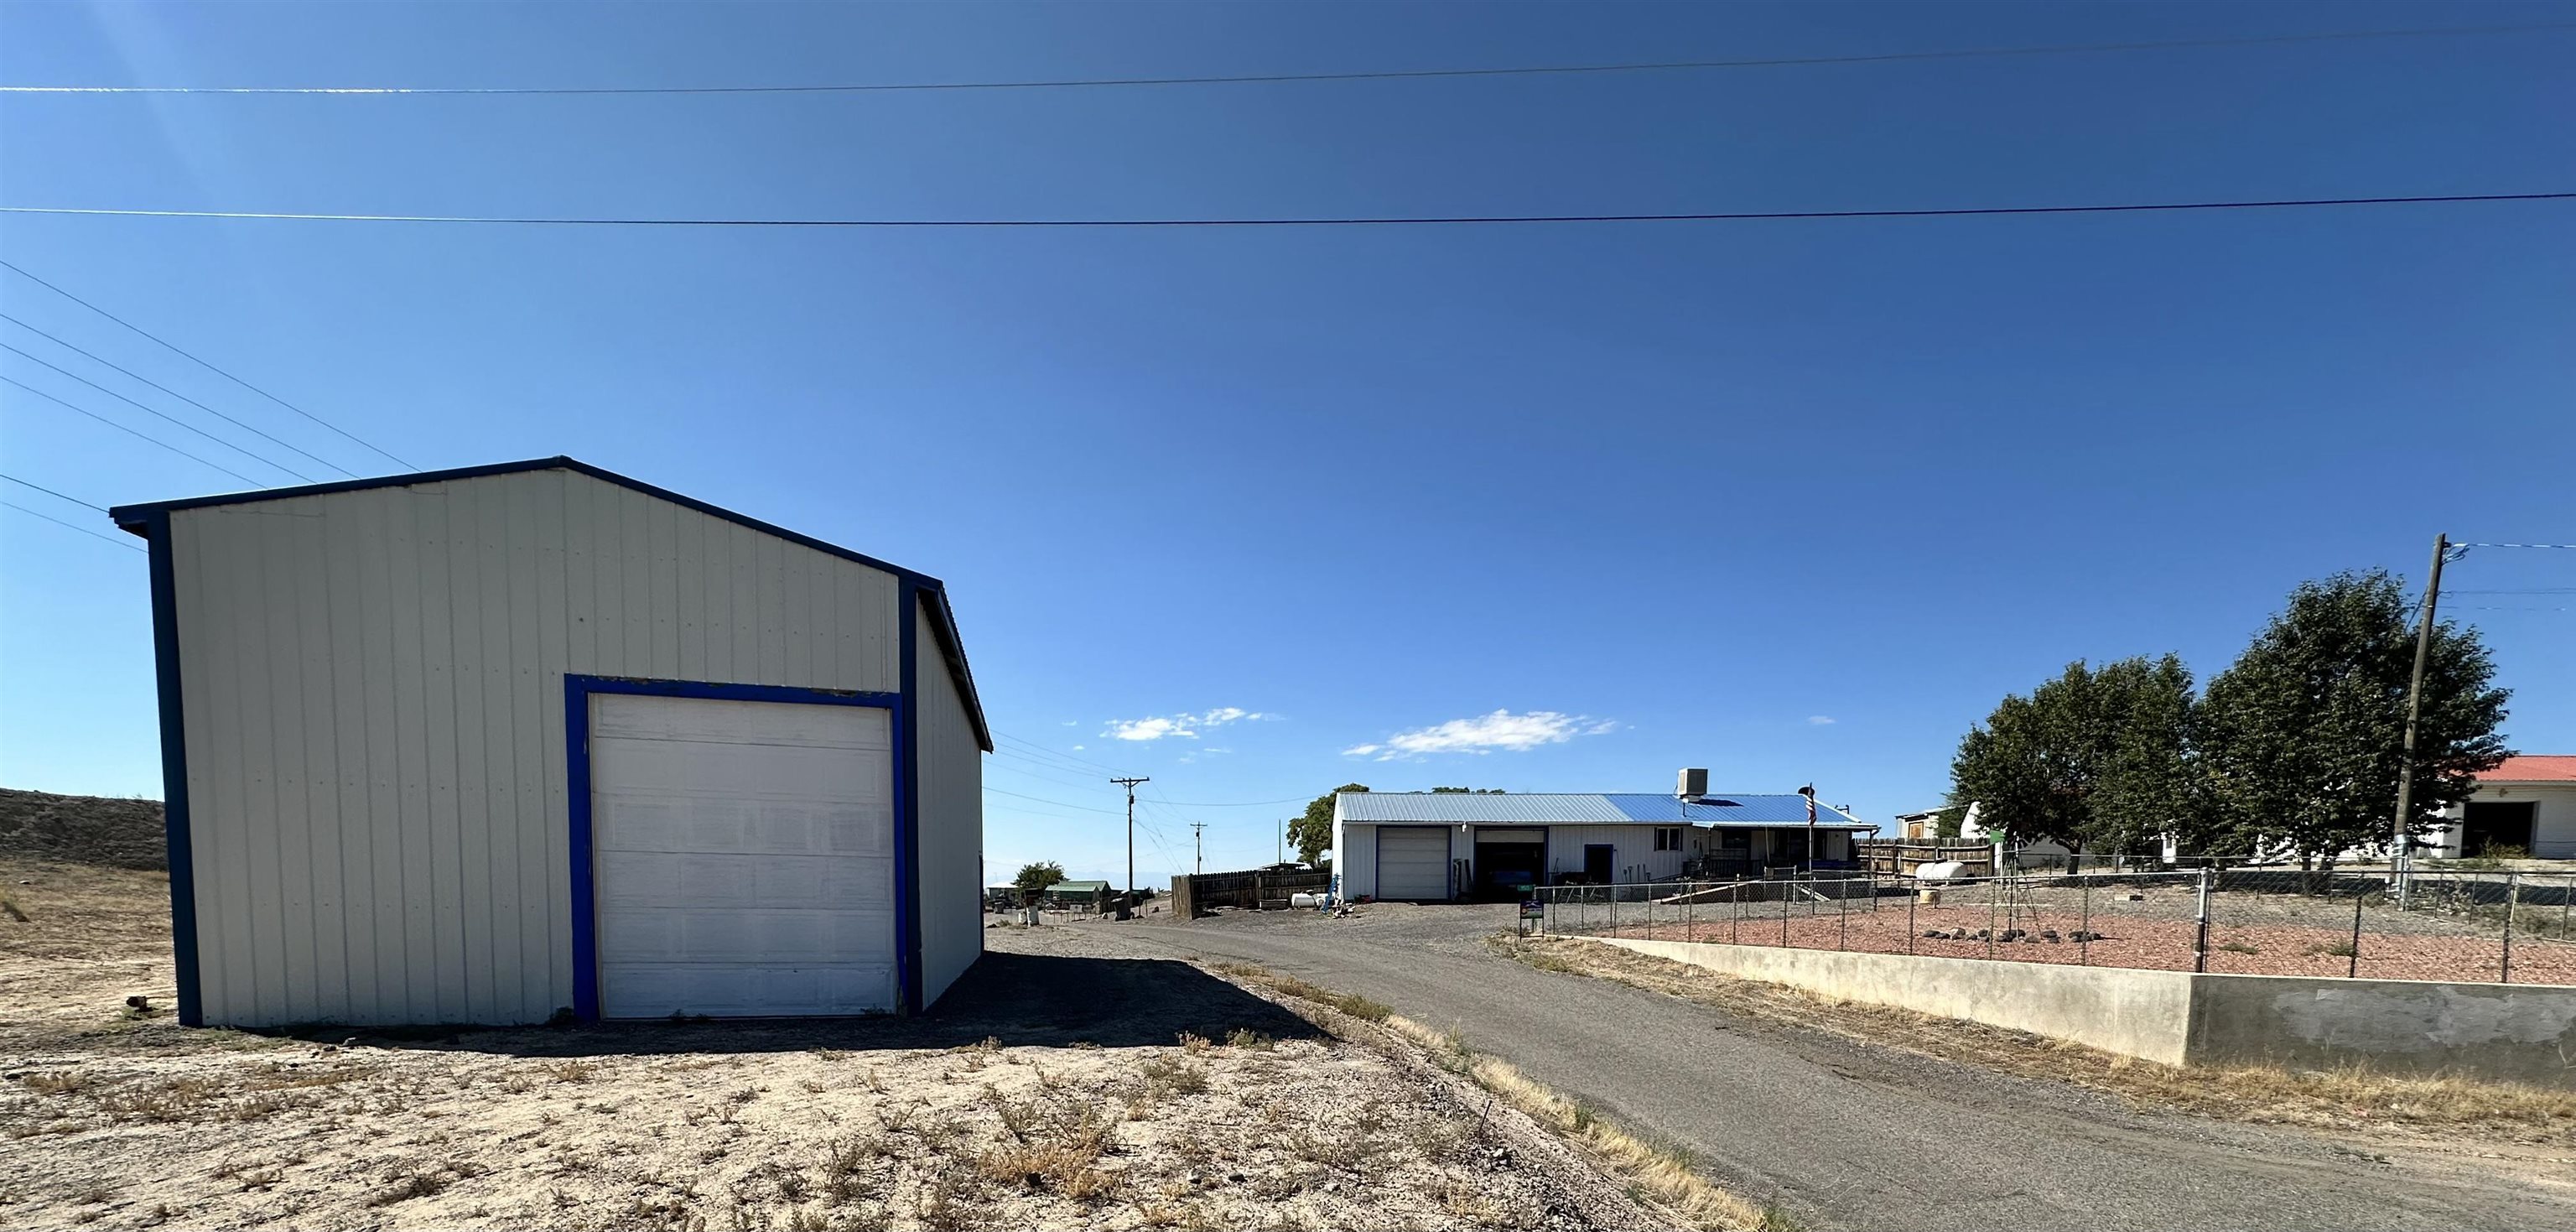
{"points": [[1659, 66], [191, 357], [1054, 803], [175, 394], [52, 493], [150, 411], [67, 525], [130, 431], [1390, 220]]}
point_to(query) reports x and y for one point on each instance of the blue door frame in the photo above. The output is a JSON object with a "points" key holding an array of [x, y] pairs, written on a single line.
{"points": [[585, 893]]}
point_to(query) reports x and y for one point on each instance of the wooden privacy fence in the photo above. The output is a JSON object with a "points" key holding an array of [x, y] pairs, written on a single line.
{"points": [[1194, 895], [1900, 857]]}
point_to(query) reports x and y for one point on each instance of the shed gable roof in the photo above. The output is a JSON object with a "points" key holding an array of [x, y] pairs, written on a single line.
{"points": [[136, 519]]}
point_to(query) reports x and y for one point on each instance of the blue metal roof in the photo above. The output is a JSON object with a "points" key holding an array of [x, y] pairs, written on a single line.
{"points": [[1588, 808]]}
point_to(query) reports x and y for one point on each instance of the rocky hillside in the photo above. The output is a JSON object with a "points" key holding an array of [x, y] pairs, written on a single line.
{"points": [[83, 829]]}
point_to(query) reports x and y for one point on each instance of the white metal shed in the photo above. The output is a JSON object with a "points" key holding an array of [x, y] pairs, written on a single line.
{"points": [[486, 745]]}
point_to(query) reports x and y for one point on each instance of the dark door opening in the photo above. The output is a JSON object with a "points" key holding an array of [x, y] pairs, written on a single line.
{"points": [[2494, 827], [1503, 869], [1596, 863]]}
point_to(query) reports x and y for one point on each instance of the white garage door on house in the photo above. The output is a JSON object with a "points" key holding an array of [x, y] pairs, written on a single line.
{"points": [[743, 854], [1413, 862]]}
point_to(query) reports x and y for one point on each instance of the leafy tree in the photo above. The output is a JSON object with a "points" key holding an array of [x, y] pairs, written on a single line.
{"points": [[1467, 791], [1035, 878], [2093, 759], [2304, 734], [1312, 832]]}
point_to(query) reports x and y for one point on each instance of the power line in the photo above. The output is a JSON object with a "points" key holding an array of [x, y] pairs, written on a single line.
{"points": [[1426, 220], [1057, 803], [1034, 748], [175, 394], [1238, 803], [148, 410], [129, 431], [66, 525], [2571, 546], [1665, 66], [175, 349], [50, 492]]}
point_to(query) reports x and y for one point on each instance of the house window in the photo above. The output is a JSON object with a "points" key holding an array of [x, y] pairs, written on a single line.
{"points": [[1668, 838]]}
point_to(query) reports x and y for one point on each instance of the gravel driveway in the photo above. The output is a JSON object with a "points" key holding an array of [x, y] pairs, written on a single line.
{"points": [[1850, 1136]]}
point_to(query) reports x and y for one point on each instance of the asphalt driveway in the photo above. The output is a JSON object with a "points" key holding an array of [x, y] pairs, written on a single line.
{"points": [[1846, 1135]]}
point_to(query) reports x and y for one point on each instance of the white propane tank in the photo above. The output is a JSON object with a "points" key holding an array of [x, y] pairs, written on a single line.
{"points": [[1305, 898]]}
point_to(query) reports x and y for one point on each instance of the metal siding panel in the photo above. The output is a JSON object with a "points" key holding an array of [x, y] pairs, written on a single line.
{"points": [[770, 579], [1356, 856], [289, 929], [635, 577], [821, 621], [240, 577], [663, 537], [796, 617], [949, 783], [529, 527], [378, 549], [320, 769], [353, 762], [689, 579], [211, 744], [743, 557], [437, 703], [556, 576], [466, 564], [498, 726]]}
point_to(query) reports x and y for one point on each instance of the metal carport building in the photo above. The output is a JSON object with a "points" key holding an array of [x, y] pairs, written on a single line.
{"points": [[492, 744]]}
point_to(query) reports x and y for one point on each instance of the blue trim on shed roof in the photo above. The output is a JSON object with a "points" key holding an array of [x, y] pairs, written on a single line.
{"points": [[137, 518], [1584, 808]]}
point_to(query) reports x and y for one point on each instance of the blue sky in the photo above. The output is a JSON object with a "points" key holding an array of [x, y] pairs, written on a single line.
{"points": [[1796, 501]]}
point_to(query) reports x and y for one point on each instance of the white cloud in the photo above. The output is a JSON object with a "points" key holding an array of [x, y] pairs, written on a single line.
{"points": [[1183, 725], [1485, 733], [1821, 720], [1077, 748]]}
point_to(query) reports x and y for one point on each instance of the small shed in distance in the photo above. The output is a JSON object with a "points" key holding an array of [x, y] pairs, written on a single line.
{"points": [[483, 745]]}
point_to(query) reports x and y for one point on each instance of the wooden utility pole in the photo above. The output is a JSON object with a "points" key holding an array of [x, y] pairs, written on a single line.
{"points": [[1130, 785], [1198, 847], [2401, 856]]}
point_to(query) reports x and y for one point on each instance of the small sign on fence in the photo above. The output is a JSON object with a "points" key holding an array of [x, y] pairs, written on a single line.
{"points": [[1533, 909]]}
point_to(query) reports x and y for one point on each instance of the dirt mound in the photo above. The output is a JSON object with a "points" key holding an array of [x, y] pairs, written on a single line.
{"points": [[83, 829]]}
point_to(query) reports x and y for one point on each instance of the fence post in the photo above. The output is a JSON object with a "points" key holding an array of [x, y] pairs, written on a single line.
{"points": [[2360, 894], [1842, 917], [1785, 905], [1910, 898], [1614, 908], [2084, 931], [1994, 903], [1650, 913], [1735, 922], [1690, 911], [2512, 891], [2200, 947]]}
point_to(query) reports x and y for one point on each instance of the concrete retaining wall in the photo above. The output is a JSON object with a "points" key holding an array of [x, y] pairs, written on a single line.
{"points": [[2140, 1013], [2518, 1032], [2522, 1033]]}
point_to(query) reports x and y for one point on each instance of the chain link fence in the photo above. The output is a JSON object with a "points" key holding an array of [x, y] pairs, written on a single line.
{"points": [[2455, 926]]}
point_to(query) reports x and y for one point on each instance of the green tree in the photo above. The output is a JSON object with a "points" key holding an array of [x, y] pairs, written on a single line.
{"points": [[1036, 877], [2098, 759], [1466, 791], [1312, 831], [2303, 735]]}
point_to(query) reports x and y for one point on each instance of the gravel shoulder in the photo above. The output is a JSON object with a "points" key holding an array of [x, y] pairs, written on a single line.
{"points": [[1847, 1134]]}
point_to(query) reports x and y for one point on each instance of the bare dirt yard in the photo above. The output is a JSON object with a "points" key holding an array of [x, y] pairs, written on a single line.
{"points": [[1049, 1089]]}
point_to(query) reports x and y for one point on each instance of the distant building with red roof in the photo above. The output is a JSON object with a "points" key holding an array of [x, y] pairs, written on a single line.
{"points": [[2526, 805]]}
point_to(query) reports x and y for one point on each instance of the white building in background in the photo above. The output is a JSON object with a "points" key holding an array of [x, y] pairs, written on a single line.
{"points": [[490, 744], [2528, 804], [1440, 846]]}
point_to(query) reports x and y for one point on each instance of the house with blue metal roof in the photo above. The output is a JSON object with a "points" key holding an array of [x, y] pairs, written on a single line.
{"points": [[1440, 846]]}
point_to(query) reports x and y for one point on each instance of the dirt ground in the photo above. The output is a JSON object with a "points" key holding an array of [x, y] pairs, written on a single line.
{"points": [[115, 831], [1053, 1089]]}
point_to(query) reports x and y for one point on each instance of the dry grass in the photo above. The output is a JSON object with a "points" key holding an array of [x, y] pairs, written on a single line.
{"points": [[1663, 1175], [1657, 1175], [2345, 1099]]}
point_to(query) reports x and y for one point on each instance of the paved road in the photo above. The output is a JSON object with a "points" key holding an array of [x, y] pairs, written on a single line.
{"points": [[1847, 1135]]}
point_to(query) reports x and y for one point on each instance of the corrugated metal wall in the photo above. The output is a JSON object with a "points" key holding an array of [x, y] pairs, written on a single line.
{"points": [[949, 781], [373, 686]]}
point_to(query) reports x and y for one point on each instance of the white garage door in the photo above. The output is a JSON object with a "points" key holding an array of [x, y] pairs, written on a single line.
{"points": [[743, 854], [1413, 862]]}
